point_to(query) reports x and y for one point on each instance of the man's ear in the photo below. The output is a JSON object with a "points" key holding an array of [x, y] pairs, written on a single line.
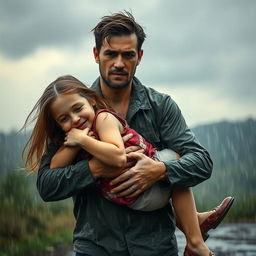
{"points": [[96, 55], [139, 57]]}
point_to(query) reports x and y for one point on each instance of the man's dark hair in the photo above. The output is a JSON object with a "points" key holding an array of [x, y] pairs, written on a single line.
{"points": [[118, 24]]}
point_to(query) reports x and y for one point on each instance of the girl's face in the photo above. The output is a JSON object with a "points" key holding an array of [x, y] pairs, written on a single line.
{"points": [[72, 111]]}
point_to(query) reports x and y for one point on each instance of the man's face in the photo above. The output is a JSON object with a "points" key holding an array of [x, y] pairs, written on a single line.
{"points": [[118, 60]]}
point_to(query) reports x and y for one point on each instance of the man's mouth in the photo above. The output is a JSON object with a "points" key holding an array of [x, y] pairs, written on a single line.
{"points": [[118, 73]]}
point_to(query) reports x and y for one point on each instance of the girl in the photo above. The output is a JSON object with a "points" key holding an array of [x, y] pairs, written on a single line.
{"points": [[69, 111]]}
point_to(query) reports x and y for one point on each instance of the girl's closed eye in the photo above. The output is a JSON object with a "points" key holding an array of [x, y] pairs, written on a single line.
{"points": [[78, 109], [63, 119]]}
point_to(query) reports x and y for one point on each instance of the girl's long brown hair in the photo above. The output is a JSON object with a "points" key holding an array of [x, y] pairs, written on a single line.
{"points": [[46, 128]]}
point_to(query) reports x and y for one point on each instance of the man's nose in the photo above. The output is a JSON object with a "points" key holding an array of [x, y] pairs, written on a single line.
{"points": [[119, 63]]}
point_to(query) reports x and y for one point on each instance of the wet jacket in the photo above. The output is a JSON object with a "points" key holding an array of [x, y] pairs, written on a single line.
{"points": [[106, 229]]}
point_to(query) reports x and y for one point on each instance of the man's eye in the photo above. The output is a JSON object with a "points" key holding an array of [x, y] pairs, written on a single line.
{"points": [[110, 54], [129, 55]]}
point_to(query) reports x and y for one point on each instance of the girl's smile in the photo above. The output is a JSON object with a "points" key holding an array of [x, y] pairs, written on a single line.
{"points": [[72, 111]]}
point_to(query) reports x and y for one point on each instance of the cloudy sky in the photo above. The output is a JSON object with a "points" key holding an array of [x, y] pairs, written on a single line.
{"points": [[201, 52]]}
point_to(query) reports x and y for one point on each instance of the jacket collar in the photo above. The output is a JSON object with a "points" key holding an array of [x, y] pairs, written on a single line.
{"points": [[139, 99]]}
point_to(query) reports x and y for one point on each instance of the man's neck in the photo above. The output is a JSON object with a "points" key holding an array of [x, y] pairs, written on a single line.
{"points": [[118, 98]]}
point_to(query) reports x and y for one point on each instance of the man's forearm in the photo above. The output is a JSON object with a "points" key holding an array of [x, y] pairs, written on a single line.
{"points": [[60, 183], [189, 170]]}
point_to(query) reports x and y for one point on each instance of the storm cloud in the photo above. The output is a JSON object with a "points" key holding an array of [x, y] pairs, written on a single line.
{"points": [[192, 48], [28, 25]]}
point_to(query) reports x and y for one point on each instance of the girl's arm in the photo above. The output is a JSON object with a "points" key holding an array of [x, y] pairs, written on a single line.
{"points": [[110, 148], [64, 156]]}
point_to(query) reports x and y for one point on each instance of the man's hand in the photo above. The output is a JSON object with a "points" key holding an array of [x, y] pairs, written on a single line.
{"points": [[130, 149], [140, 177]]}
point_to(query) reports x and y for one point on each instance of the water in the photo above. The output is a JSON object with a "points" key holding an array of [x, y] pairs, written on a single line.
{"points": [[228, 239], [237, 239]]}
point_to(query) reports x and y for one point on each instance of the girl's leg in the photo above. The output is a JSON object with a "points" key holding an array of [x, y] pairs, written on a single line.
{"points": [[187, 220]]}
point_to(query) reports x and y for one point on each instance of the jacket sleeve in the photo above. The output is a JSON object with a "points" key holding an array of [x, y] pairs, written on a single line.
{"points": [[195, 164], [61, 183]]}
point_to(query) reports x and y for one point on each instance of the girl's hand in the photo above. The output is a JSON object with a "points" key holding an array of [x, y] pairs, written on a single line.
{"points": [[91, 134], [75, 136]]}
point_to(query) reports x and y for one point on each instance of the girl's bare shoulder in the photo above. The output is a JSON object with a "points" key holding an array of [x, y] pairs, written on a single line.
{"points": [[107, 118]]}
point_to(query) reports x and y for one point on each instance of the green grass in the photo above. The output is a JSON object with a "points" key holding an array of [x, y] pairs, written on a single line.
{"points": [[27, 224], [32, 245]]}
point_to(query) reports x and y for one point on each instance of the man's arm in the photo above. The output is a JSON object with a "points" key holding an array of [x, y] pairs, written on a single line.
{"points": [[61, 183], [195, 164], [193, 167]]}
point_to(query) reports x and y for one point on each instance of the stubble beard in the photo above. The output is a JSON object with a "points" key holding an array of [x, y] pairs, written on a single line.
{"points": [[114, 85]]}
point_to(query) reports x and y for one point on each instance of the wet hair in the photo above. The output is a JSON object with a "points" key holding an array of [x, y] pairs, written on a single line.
{"points": [[46, 128], [118, 24]]}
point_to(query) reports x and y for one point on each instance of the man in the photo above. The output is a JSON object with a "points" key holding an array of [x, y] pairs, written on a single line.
{"points": [[104, 228]]}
